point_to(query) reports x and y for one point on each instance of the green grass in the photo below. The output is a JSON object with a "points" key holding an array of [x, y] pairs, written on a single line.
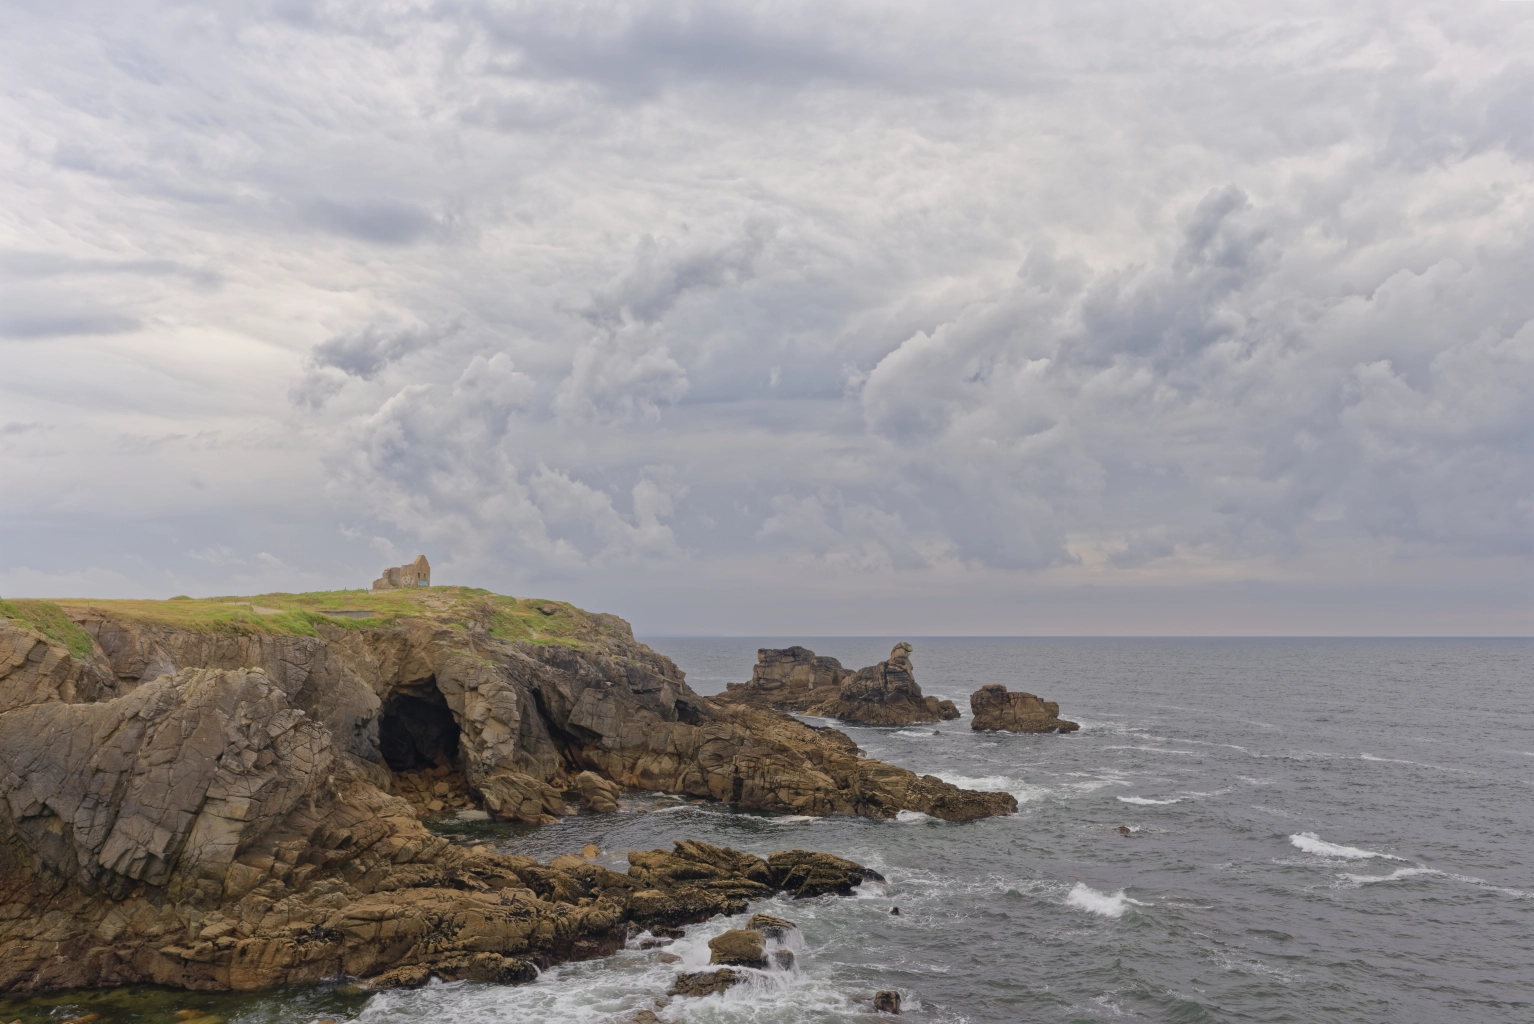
{"points": [[507, 618], [52, 621]]}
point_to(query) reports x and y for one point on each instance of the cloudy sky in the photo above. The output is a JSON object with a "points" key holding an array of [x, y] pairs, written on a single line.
{"points": [[1076, 317]]}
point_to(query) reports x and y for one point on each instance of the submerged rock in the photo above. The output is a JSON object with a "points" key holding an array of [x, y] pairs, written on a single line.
{"points": [[705, 983], [995, 708], [771, 927], [887, 1002]]}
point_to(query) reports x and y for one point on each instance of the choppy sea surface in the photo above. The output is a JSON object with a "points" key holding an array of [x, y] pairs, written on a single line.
{"points": [[1320, 830]]}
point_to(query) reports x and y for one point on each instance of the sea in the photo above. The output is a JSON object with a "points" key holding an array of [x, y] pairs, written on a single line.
{"points": [[1318, 830]]}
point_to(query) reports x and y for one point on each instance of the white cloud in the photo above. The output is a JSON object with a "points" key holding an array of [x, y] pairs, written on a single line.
{"points": [[1080, 293]]}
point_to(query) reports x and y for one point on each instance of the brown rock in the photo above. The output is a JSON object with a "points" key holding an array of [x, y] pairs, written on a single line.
{"points": [[783, 959], [212, 810], [887, 1002], [597, 795], [738, 947], [995, 708], [770, 927], [704, 983], [791, 679], [591, 851]]}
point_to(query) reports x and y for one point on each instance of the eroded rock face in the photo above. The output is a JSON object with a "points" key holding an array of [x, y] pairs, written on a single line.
{"points": [[229, 825], [887, 694], [790, 679], [797, 680], [994, 708]]}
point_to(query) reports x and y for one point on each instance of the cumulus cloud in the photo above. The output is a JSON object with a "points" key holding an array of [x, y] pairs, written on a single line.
{"points": [[1008, 298]]}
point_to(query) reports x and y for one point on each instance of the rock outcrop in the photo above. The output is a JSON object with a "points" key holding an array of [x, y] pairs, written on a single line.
{"points": [[790, 679], [211, 808], [796, 679], [994, 708]]}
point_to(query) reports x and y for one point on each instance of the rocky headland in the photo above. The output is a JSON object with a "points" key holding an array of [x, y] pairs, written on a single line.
{"points": [[796, 679], [230, 795], [996, 709]]}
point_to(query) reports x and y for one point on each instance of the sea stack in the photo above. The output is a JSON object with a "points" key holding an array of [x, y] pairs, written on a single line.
{"points": [[797, 679], [996, 709]]}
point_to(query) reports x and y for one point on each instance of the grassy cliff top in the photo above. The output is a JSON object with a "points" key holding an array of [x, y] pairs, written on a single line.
{"points": [[508, 618]]}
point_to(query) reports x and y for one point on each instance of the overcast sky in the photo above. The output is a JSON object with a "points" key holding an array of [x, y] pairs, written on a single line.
{"points": [[820, 318]]}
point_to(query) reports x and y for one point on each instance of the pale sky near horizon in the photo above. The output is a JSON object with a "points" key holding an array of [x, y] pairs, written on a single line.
{"points": [[777, 318]]}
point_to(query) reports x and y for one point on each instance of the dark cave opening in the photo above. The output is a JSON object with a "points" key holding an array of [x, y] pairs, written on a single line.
{"points": [[416, 732]]}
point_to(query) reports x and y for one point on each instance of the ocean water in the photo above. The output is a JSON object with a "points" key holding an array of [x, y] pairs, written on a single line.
{"points": [[1321, 830]]}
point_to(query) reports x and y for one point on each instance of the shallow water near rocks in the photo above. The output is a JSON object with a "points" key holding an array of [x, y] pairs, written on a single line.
{"points": [[1321, 830]]}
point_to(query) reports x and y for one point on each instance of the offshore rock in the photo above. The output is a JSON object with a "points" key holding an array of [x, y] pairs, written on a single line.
{"points": [[771, 927], [790, 679], [887, 1002], [796, 679], [994, 708], [738, 947], [705, 983], [210, 809]]}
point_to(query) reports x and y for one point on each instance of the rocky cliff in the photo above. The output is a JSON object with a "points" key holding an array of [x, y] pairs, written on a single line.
{"points": [[202, 798], [796, 679], [996, 709]]}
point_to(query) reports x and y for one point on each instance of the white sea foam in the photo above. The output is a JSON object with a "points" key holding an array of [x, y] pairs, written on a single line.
{"points": [[1024, 792], [1084, 897], [913, 816], [1394, 876], [1145, 800], [1155, 750], [1311, 843]]}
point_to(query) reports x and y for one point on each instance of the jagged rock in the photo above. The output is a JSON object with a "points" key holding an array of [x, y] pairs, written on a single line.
{"points": [[738, 947], [512, 796], [806, 874], [231, 826], [796, 679], [704, 983], [886, 694], [597, 795], [770, 927], [887, 1002], [790, 679], [995, 708]]}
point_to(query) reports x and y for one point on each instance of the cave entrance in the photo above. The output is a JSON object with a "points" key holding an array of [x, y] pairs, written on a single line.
{"points": [[417, 731]]}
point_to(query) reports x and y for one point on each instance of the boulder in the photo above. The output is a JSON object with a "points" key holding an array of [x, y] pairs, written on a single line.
{"points": [[512, 796], [705, 983], [738, 947], [994, 708], [887, 1002], [597, 795]]}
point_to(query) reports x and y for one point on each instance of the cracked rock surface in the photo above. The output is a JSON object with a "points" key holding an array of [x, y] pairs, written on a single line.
{"points": [[212, 810]]}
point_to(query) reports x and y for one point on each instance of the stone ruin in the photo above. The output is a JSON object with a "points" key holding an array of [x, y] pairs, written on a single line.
{"points": [[416, 574]]}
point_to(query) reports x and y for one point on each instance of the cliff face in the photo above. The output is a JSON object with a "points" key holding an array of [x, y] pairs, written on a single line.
{"points": [[210, 807], [796, 679]]}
